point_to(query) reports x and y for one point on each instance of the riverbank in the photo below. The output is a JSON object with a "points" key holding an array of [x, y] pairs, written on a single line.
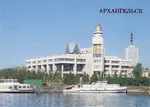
{"points": [[138, 90], [51, 89]]}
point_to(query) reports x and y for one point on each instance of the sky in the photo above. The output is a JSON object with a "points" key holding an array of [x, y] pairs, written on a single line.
{"points": [[38, 28]]}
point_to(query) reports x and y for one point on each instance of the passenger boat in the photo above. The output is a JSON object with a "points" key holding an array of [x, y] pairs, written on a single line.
{"points": [[13, 86], [98, 87]]}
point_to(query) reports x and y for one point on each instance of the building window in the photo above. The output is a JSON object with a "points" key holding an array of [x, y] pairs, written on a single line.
{"points": [[80, 60], [50, 60], [107, 61], [34, 62], [97, 55], [29, 67], [28, 62], [63, 59], [44, 61], [39, 61], [97, 66], [97, 48], [115, 66], [97, 61], [124, 66], [106, 66], [115, 61]]}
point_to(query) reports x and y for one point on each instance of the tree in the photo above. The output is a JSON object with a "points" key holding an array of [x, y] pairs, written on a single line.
{"points": [[85, 78], [94, 78], [69, 79], [137, 71]]}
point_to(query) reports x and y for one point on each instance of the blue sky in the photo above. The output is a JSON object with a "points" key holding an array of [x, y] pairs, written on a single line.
{"points": [[35, 28]]}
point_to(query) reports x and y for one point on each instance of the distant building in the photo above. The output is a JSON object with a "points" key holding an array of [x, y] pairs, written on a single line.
{"points": [[79, 61], [146, 72], [131, 52]]}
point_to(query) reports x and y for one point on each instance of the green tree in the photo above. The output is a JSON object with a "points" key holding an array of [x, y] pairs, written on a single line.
{"points": [[69, 79], [94, 78], [85, 78], [137, 71]]}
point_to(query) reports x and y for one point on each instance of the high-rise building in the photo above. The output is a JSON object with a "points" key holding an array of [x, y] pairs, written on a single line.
{"points": [[131, 52]]}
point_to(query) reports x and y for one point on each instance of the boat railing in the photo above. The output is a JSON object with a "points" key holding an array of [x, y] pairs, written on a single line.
{"points": [[8, 81]]}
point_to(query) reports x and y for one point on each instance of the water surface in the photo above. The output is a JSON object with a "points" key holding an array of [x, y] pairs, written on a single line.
{"points": [[73, 100]]}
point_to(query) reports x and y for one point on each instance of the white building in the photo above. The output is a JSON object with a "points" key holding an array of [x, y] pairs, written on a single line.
{"points": [[87, 60], [146, 72], [120, 66], [131, 53]]}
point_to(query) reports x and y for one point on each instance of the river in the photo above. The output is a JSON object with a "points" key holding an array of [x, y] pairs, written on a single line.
{"points": [[73, 100]]}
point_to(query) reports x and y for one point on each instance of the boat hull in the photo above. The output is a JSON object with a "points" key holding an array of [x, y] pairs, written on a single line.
{"points": [[17, 91], [122, 90], [98, 87]]}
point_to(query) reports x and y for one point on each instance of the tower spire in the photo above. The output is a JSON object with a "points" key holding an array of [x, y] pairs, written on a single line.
{"points": [[131, 39]]}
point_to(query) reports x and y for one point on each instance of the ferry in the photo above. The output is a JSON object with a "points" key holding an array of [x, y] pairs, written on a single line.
{"points": [[13, 86], [98, 87]]}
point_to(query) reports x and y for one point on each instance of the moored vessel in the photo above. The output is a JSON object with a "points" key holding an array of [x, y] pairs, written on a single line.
{"points": [[98, 87], [13, 86]]}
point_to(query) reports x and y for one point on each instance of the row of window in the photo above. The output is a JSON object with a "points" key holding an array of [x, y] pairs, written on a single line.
{"points": [[113, 71], [63, 59], [97, 61], [108, 61], [57, 60], [10, 87], [97, 66], [80, 60]]}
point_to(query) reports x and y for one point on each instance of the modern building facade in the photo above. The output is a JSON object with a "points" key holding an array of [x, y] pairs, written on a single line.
{"points": [[131, 52], [79, 61]]}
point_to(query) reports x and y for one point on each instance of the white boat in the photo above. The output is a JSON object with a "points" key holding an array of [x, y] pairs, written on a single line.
{"points": [[13, 86], [98, 87]]}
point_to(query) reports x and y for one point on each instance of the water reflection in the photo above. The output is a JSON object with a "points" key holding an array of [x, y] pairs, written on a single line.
{"points": [[74, 100]]}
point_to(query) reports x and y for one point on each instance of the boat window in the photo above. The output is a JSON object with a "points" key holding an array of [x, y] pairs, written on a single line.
{"points": [[15, 81], [28, 87], [10, 87], [1, 81], [31, 86], [19, 86], [9, 81], [24, 86]]}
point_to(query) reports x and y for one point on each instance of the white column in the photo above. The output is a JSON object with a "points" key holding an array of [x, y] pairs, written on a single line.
{"points": [[36, 69], [110, 73], [54, 67], [42, 68], [62, 70], [120, 67], [31, 68], [75, 69], [75, 66], [48, 68]]}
